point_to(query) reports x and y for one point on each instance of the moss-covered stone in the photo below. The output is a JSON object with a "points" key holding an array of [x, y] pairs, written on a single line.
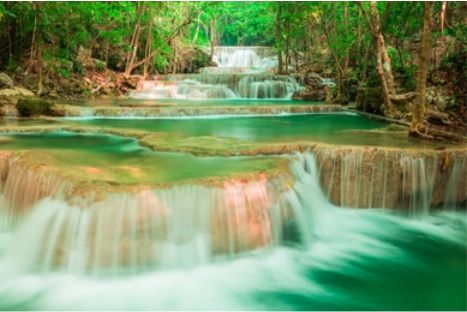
{"points": [[34, 107]]}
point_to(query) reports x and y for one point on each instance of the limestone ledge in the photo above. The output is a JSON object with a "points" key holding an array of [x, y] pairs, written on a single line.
{"points": [[148, 111], [351, 176]]}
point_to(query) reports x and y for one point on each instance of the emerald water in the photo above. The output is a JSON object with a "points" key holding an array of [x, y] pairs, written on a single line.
{"points": [[119, 159], [251, 241], [370, 260], [321, 258], [334, 128]]}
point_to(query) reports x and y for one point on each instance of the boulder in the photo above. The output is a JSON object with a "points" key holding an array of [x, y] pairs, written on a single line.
{"points": [[16, 91], [5, 81], [9, 92], [33, 107]]}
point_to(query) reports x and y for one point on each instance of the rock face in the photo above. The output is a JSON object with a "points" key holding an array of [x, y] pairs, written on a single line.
{"points": [[315, 88], [310, 94], [5, 81], [85, 59]]}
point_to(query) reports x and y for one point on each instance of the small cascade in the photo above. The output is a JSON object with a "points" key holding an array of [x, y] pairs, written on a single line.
{"points": [[412, 181], [22, 185], [219, 86], [245, 57], [242, 72]]}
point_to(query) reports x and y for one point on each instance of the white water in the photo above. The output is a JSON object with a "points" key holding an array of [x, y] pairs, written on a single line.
{"points": [[331, 239], [241, 73], [244, 57]]}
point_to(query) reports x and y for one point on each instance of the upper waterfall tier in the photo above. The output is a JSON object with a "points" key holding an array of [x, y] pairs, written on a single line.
{"points": [[245, 57], [219, 86], [241, 72]]}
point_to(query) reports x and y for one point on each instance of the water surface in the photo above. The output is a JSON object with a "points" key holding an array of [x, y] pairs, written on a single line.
{"points": [[114, 158], [333, 128]]}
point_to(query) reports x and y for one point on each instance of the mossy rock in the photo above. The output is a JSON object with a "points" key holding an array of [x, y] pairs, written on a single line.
{"points": [[34, 107]]}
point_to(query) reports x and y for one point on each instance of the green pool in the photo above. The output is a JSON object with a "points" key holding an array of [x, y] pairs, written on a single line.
{"points": [[119, 159], [334, 128]]}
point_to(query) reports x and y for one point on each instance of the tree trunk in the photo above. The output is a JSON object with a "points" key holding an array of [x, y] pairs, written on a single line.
{"points": [[442, 14], [32, 53], [383, 61], [173, 35], [279, 37], [345, 65], [147, 49], [418, 110], [35, 57], [212, 36], [134, 40], [198, 25]]}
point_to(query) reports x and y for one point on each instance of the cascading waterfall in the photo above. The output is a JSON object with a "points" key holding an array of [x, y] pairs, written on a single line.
{"points": [[62, 252], [183, 226], [188, 225], [410, 181], [245, 57], [241, 73]]}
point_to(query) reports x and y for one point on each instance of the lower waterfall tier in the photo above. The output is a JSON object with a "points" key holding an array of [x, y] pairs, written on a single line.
{"points": [[83, 230], [60, 256]]}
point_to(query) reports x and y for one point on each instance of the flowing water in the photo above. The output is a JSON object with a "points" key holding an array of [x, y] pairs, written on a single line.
{"points": [[98, 222], [241, 73], [319, 257]]}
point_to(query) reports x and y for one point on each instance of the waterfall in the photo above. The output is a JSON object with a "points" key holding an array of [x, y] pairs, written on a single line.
{"points": [[242, 72], [183, 226], [220, 86], [187, 225], [410, 181], [245, 57]]}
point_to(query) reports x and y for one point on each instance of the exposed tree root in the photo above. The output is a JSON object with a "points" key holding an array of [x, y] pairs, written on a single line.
{"points": [[424, 132]]}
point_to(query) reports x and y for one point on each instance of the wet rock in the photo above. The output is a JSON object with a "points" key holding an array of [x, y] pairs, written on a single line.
{"points": [[5, 81], [315, 88], [310, 94]]}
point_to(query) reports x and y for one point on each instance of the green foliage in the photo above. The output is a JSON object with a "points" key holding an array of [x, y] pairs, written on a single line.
{"points": [[11, 65], [332, 38]]}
